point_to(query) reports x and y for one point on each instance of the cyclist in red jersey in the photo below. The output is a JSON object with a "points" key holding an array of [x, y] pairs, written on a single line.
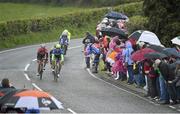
{"points": [[42, 56]]}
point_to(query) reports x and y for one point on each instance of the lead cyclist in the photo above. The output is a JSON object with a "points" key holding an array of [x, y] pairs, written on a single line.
{"points": [[57, 54]]}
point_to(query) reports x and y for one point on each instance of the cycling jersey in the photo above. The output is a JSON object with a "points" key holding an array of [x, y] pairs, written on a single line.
{"points": [[64, 40], [42, 53], [57, 54]]}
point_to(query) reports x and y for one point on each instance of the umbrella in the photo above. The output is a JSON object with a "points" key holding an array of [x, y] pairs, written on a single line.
{"points": [[139, 55], [116, 15], [176, 40], [155, 55], [30, 99], [156, 48], [4, 91], [171, 52], [135, 35], [149, 37], [113, 32]]}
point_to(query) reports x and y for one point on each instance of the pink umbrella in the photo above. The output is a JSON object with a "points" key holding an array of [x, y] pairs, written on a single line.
{"points": [[139, 55]]}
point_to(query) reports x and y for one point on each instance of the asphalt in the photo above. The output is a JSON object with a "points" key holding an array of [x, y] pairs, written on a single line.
{"points": [[78, 90]]}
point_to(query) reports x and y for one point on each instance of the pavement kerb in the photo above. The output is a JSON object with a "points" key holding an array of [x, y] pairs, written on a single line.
{"points": [[121, 84]]}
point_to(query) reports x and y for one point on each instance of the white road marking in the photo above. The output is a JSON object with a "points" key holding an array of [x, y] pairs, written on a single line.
{"points": [[25, 69], [71, 111], [37, 87], [172, 107], [34, 60], [120, 88], [75, 47], [178, 110], [27, 77]]}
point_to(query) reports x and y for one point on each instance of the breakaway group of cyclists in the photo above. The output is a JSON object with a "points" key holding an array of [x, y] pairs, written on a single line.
{"points": [[56, 53]]}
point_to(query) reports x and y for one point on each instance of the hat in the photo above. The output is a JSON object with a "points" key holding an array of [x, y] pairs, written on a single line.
{"points": [[157, 61]]}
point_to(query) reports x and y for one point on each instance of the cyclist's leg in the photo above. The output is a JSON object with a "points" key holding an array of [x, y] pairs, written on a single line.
{"points": [[53, 63], [38, 67]]}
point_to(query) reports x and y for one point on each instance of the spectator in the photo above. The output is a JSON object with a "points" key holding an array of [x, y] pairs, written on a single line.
{"points": [[6, 84], [138, 75], [164, 96], [128, 61], [169, 75], [89, 39], [176, 81]]}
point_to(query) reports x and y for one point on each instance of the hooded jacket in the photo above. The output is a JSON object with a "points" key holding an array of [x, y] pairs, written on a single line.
{"points": [[128, 52]]}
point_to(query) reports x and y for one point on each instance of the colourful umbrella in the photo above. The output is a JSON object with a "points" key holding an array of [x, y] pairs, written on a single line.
{"points": [[30, 99], [139, 55], [155, 55]]}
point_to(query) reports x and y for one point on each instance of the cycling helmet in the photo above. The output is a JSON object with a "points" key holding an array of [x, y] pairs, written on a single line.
{"points": [[65, 32], [58, 46], [43, 45]]}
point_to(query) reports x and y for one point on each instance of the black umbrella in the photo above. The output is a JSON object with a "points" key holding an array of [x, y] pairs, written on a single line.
{"points": [[155, 55], [116, 15], [113, 32], [156, 48], [171, 52]]}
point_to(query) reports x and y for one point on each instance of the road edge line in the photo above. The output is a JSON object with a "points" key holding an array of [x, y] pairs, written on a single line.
{"points": [[119, 87]]}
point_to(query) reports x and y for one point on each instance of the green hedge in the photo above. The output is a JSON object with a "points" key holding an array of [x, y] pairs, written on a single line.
{"points": [[75, 2], [76, 20]]}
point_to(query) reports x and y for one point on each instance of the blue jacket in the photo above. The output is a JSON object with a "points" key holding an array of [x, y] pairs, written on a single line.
{"points": [[63, 40], [91, 49], [57, 51], [128, 53]]}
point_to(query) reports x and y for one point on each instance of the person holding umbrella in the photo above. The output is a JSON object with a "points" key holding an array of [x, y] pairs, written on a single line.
{"points": [[128, 61], [168, 74], [176, 81], [89, 39], [6, 84]]}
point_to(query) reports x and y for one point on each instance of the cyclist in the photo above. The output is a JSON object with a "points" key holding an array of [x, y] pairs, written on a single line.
{"points": [[42, 56], [64, 40], [67, 33], [57, 54], [50, 54]]}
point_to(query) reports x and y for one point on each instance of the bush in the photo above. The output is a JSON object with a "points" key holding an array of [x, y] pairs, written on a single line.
{"points": [[75, 2], [163, 18], [77, 20], [137, 23]]}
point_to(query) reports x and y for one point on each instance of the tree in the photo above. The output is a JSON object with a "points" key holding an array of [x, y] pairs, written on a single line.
{"points": [[164, 18]]}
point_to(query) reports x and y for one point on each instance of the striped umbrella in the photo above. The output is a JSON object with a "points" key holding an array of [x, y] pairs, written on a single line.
{"points": [[145, 36], [176, 40], [30, 99]]}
